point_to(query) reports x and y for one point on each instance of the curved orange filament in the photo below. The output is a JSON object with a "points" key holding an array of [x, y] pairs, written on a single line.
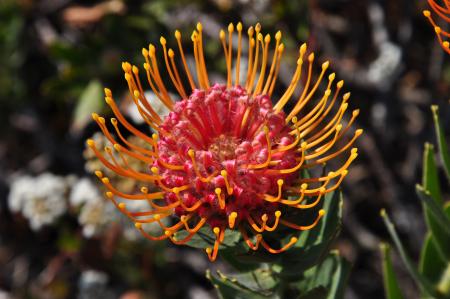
{"points": [[224, 174], [111, 188], [101, 123], [184, 219], [294, 143], [313, 204], [271, 198], [269, 153], [138, 97], [172, 238], [274, 62], [174, 227], [212, 252], [333, 122], [335, 154], [118, 170], [253, 224], [277, 68], [232, 219], [262, 72], [230, 53], [186, 208], [302, 101], [130, 144], [151, 77], [295, 79], [201, 55], [183, 59], [220, 198], [147, 235], [177, 84], [155, 171], [275, 223], [319, 121], [303, 227], [291, 242], [238, 59], [251, 45], [259, 40], [191, 154], [157, 78], [247, 239], [293, 169], [110, 101]]}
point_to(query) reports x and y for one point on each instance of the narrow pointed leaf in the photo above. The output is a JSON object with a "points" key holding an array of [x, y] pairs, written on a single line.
{"points": [[431, 263], [423, 283], [340, 277], [430, 177], [391, 286], [437, 211], [430, 182], [440, 135]]}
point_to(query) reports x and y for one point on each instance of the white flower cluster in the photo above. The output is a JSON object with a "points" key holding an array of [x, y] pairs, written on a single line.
{"points": [[41, 199], [95, 213]]}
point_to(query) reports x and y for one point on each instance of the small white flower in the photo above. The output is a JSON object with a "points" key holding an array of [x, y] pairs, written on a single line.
{"points": [[94, 216], [41, 200], [83, 191], [22, 188]]}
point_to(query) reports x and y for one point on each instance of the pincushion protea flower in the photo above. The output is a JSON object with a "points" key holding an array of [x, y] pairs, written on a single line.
{"points": [[443, 11], [225, 156]]}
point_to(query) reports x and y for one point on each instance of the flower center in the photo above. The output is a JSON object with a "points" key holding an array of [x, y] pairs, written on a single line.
{"points": [[224, 153], [223, 147]]}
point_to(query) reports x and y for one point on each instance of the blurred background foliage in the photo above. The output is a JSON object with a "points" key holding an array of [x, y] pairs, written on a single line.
{"points": [[55, 57]]}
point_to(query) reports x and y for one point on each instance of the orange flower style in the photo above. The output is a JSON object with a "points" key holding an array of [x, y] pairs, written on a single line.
{"points": [[443, 12], [229, 156]]}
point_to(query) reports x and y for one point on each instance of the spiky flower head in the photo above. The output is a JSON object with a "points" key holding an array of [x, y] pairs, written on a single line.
{"points": [[443, 12], [226, 157]]}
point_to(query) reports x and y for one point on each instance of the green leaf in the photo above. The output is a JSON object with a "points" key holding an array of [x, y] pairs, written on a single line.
{"points": [[314, 245], [236, 257], [391, 286], [91, 100], [431, 263], [437, 212], [228, 288], [205, 238], [260, 281], [423, 282], [332, 274], [431, 197], [340, 278], [443, 148], [443, 285], [430, 177]]}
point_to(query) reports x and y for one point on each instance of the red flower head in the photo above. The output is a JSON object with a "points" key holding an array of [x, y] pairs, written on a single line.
{"points": [[226, 156], [443, 12]]}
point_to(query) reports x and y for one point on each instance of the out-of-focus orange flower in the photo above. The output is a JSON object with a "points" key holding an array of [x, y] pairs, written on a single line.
{"points": [[80, 16], [443, 12], [229, 156]]}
